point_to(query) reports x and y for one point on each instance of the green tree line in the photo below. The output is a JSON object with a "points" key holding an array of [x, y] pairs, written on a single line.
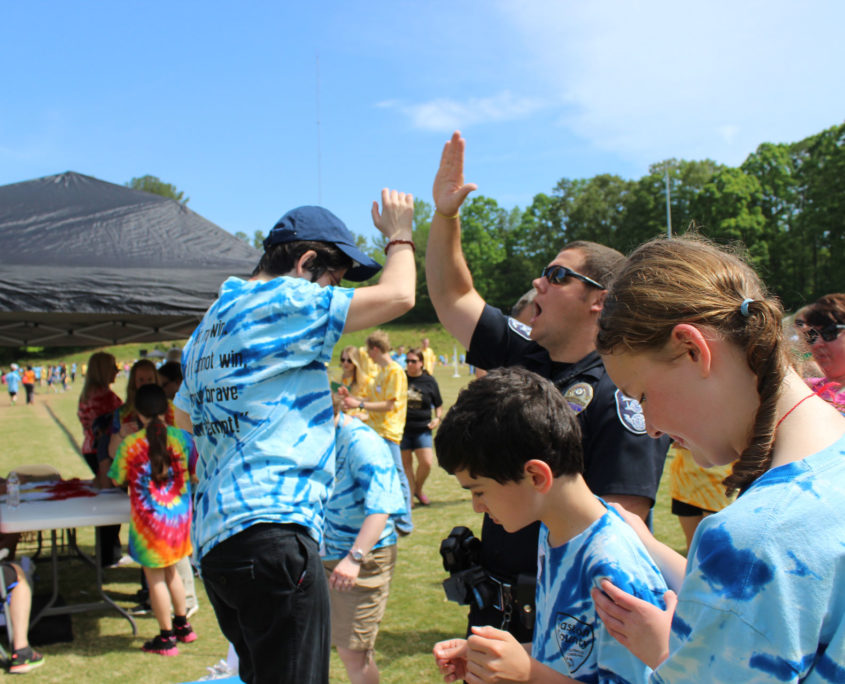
{"points": [[785, 205]]}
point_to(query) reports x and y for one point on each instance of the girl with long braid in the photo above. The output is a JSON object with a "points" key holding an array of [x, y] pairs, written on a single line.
{"points": [[156, 463], [688, 330]]}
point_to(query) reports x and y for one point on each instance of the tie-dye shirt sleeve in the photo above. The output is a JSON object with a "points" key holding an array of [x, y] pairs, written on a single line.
{"points": [[763, 599]]}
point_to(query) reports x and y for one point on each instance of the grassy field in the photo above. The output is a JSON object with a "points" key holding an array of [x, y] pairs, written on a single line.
{"points": [[104, 649]]}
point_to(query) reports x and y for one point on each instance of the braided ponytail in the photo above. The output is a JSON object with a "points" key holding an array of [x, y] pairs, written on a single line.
{"points": [[151, 402], [666, 282]]}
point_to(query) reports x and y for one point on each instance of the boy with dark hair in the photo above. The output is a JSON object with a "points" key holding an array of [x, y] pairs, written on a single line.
{"points": [[512, 440]]}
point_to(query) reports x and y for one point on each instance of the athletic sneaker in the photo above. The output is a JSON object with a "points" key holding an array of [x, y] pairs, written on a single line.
{"points": [[25, 659], [161, 646], [193, 609], [142, 608], [185, 633]]}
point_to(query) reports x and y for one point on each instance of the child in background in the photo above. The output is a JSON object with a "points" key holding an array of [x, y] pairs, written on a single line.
{"points": [[156, 463], [513, 441], [360, 543]]}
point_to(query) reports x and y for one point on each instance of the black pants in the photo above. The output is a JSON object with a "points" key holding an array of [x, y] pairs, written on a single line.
{"points": [[30, 390], [271, 599]]}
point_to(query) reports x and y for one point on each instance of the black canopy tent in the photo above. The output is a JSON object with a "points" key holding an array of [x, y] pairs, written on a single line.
{"points": [[84, 262]]}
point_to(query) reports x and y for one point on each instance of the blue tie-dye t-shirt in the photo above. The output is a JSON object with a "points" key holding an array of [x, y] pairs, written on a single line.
{"points": [[568, 635], [366, 482], [257, 391], [764, 595]]}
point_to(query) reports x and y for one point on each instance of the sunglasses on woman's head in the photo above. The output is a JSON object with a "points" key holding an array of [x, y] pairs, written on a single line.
{"points": [[828, 333], [557, 275]]}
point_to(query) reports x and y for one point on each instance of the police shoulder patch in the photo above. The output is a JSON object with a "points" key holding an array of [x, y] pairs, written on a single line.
{"points": [[579, 396], [630, 413], [519, 328]]}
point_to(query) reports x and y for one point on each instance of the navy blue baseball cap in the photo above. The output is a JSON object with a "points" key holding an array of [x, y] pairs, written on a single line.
{"points": [[317, 223]]}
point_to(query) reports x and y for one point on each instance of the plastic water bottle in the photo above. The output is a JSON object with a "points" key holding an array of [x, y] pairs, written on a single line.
{"points": [[13, 490]]}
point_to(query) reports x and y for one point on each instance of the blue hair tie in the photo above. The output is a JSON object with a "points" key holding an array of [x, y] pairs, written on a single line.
{"points": [[743, 308]]}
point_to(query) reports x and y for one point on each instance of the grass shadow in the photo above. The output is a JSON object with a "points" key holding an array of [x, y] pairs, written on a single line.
{"points": [[65, 431]]}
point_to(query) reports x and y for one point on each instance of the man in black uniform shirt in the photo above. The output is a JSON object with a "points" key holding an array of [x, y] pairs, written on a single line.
{"points": [[621, 462]]}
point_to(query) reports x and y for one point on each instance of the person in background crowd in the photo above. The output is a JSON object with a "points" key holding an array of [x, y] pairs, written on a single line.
{"points": [[428, 356], [95, 400], [690, 331], [696, 492], [170, 378], [266, 441], [621, 463], [360, 543], [423, 395], [73, 372], [354, 380], [824, 325], [13, 383], [399, 356], [386, 406], [523, 310], [28, 380]]}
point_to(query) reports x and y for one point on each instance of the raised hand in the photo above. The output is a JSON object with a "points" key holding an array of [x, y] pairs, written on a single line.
{"points": [[396, 219], [449, 189]]}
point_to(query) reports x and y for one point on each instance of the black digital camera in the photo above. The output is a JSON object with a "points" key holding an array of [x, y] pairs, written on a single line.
{"points": [[468, 582]]}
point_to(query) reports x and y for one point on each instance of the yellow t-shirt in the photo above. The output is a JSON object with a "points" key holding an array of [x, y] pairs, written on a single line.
{"points": [[390, 383], [429, 360], [697, 486]]}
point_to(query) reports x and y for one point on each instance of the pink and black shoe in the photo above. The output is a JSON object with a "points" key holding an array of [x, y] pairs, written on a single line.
{"points": [[185, 633], [161, 646]]}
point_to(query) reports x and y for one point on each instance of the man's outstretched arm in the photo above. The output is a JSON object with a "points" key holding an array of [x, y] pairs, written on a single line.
{"points": [[456, 301]]}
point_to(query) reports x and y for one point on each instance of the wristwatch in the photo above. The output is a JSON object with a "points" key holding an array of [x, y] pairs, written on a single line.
{"points": [[361, 405], [357, 555]]}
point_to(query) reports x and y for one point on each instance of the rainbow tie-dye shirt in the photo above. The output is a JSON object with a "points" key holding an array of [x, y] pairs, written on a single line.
{"points": [[160, 526]]}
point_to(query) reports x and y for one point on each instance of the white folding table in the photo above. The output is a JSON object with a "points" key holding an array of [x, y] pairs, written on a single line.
{"points": [[108, 507]]}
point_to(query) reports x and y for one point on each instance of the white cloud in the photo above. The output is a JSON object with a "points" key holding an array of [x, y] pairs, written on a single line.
{"points": [[658, 79], [446, 115]]}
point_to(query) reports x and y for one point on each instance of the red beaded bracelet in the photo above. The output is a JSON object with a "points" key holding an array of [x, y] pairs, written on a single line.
{"points": [[400, 242]]}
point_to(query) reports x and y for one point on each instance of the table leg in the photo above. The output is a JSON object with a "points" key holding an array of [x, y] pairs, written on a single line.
{"points": [[103, 594]]}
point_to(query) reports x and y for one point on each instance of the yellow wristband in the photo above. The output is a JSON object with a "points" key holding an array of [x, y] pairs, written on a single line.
{"points": [[448, 218]]}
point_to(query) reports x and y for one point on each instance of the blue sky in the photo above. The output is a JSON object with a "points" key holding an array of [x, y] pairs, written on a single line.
{"points": [[221, 99]]}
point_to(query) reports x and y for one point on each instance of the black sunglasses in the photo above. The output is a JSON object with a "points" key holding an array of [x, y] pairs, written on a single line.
{"points": [[345, 360], [828, 333], [413, 361], [556, 275]]}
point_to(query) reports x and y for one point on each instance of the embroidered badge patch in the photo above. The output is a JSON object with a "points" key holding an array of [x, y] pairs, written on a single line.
{"points": [[579, 396], [574, 639], [519, 328], [630, 413]]}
